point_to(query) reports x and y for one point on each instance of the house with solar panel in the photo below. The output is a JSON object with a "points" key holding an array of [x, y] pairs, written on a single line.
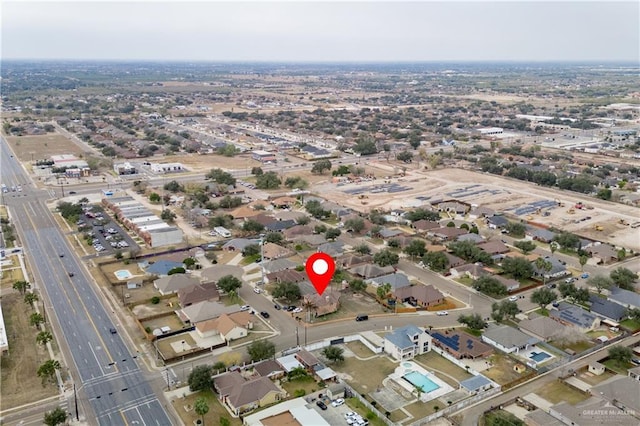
{"points": [[460, 344], [575, 316]]}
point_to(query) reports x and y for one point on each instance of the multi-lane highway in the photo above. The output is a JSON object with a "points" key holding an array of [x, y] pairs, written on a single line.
{"points": [[113, 390]]}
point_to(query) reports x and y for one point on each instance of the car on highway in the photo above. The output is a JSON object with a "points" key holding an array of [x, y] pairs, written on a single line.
{"points": [[72, 192], [265, 314], [71, 274], [113, 331], [322, 405], [442, 313], [61, 255]]}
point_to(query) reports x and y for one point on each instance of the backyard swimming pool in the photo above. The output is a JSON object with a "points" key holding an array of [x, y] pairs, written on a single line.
{"points": [[123, 274], [419, 380], [539, 356]]}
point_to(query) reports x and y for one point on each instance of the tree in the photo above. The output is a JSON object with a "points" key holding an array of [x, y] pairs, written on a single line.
{"points": [[583, 261], [177, 270], [44, 337], [36, 319], [416, 248], [490, 286], [357, 285], [473, 321], [269, 180], [200, 378], [252, 226], [543, 296], [526, 246], [223, 421], [436, 261], [515, 229], [154, 197], [405, 156], [295, 182], [21, 286], [386, 257], [201, 408], [261, 349], [365, 145], [623, 278], [30, 299], [221, 177], [251, 250], [55, 417], [581, 295], [321, 166], [553, 246], [303, 220], [256, 171], [567, 240], [621, 354], [422, 214], [315, 209], [383, 290], [333, 353], [543, 267], [362, 249], [286, 290], [168, 215], [173, 186], [47, 370], [229, 283], [600, 282], [504, 309], [356, 225], [273, 237], [517, 267], [566, 289], [634, 313], [332, 234]]}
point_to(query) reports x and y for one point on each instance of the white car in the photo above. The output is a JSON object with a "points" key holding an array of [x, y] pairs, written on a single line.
{"points": [[297, 310], [245, 307], [442, 313], [338, 402], [257, 290], [513, 298]]}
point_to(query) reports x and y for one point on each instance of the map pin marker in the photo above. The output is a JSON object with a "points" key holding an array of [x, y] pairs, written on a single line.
{"points": [[320, 268]]}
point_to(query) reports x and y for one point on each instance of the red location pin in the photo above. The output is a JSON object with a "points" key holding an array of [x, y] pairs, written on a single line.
{"points": [[320, 268]]}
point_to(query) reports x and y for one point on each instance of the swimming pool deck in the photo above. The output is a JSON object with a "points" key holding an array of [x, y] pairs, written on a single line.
{"points": [[407, 367]]}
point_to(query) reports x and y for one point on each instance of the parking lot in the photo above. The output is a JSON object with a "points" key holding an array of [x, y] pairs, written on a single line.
{"points": [[334, 415], [108, 236]]}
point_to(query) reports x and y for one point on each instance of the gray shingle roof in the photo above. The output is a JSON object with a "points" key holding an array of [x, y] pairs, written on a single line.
{"points": [[509, 337], [401, 336], [607, 308]]}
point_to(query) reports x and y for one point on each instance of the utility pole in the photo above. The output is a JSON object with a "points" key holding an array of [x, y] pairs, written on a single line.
{"points": [[166, 374], [75, 399], [297, 337]]}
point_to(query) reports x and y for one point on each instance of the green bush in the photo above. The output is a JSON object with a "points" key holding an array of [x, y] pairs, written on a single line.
{"points": [[299, 392], [155, 300]]}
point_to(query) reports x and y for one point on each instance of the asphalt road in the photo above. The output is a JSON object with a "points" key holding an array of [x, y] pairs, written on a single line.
{"points": [[113, 390]]}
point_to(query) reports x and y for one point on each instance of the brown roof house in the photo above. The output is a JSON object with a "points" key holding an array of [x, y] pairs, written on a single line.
{"points": [[603, 253], [174, 283], [322, 305], [307, 359], [494, 247], [370, 270], [198, 293], [269, 368], [213, 273], [422, 225], [461, 344], [446, 233], [272, 251], [242, 396], [419, 295], [228, 326], [287, 275]]}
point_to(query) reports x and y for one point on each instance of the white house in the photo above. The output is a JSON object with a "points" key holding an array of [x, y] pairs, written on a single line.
{"points": [[407, 342]]}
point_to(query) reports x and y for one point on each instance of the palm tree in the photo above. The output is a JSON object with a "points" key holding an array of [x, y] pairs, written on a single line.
{"points": [[44, 337], [419, 391], [30, 299], [21, 286], [308, 305], [201, 408], [543, 266]]}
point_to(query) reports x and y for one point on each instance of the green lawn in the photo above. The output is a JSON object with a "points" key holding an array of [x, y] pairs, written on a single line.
{"points": [[556, 392], [307, 384], [630, 324], [542, 311], [365, 376], [578, 347], [618, 367], [422, 409], [438, 362], [465, 280], [500, 418]]}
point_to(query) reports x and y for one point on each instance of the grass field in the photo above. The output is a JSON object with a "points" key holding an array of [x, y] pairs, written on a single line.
{"points": [[438, 362], [502, 369], [20, 384], [556, 392], [42, 147], [365, 376], [359, 349]]}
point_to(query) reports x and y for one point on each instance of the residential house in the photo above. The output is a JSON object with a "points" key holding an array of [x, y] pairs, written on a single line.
{"points": [[539, 234], [289, 363], [460, 344], [508, 339], [480, 212], [446, 233], [388, 233], [474, 238], [292, 412], [162, 267], [471, 270], [608, 309], [238, 244], [593, 411], [271, 251], [241, 395], [283, 202], [350, 260], [476, 384], [541, 327], [396, 280], [228, 326], [269, 368], [280, 225], [497, 222], [297, 230], [509, 283], [575, 316], [603, 253], [558, 269], [425, 296], [307, 359], [494, 247], [422, 226], [328, 303], [173, 283], [454, 261], [278, 265], [371, 270], [213, 273], [626, 298], [203, 311], [313, 240], [634, 373], [198, 293], [406, 342], [332, 248], [453, 207], [287, 275]]}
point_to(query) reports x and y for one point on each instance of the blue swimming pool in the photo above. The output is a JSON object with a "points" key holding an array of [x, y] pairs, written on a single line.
{"points": [[539, 356], [123, 274], [419, 380]]}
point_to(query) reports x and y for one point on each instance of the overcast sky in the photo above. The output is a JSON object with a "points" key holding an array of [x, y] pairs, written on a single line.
{"points": [[322, 31]]}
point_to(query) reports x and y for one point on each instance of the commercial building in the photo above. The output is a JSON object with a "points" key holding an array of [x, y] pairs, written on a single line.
{"points": [[263, 156]]}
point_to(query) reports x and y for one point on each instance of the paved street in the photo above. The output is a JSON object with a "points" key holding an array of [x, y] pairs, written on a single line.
{"points": [[112, 388]]}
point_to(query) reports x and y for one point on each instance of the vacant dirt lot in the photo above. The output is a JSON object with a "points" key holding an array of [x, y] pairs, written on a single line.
{"points": [[42, 147], [501, 194], [20, 384]]}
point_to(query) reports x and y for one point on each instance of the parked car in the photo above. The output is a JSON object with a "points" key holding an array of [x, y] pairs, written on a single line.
{"points": [[297, 310], [322, 405], [584, 276], [277, 307], [338, 402], [257, 290], [265, 314], [362, 317], [245, 307], [513, 298]]}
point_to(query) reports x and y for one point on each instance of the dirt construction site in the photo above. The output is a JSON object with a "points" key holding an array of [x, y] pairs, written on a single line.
{"points": [[595, 219]]}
